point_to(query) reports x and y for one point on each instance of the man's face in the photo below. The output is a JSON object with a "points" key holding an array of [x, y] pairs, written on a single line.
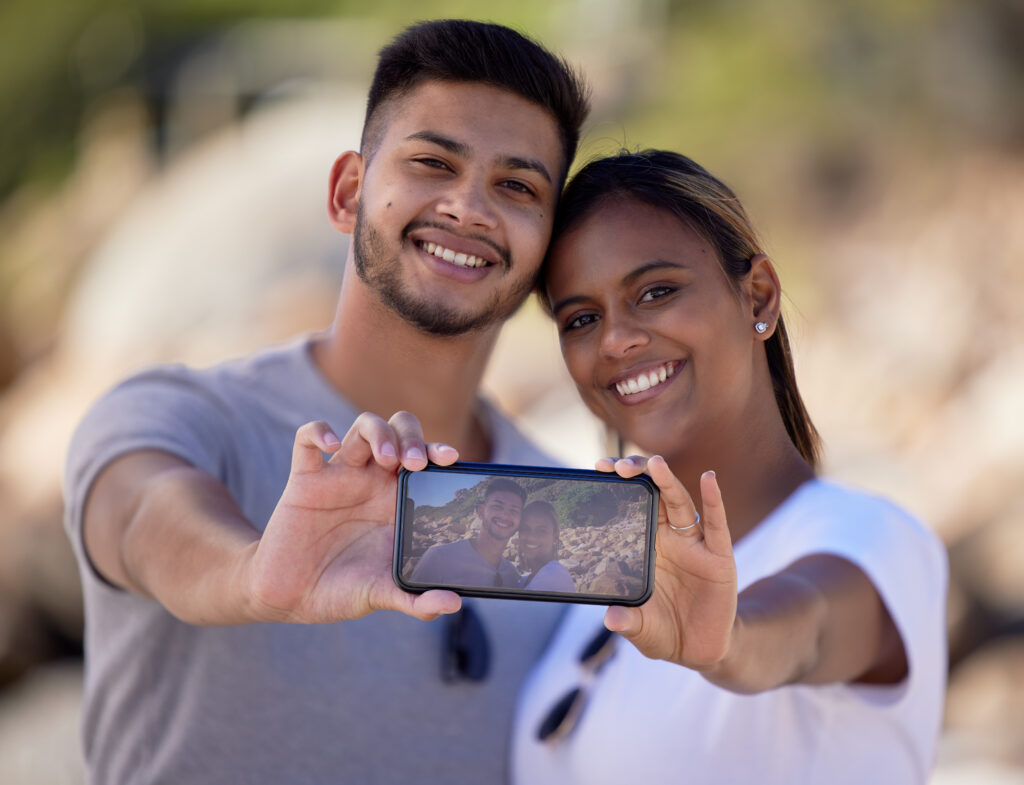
{"points": [[499, 515], [456, 204]]}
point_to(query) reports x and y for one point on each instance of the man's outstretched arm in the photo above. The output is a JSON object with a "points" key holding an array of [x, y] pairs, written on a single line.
{"points": [[163, 529]]}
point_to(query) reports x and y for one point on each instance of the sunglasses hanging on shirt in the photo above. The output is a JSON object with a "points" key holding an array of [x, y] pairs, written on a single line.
{"points": [[466, 652], [565, 714]]}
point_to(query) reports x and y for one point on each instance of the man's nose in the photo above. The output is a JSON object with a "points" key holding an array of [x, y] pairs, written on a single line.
{"points": [[469, 203]]}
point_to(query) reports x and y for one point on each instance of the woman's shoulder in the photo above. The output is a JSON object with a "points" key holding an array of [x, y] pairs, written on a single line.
{"points": [[827, 503], [826, 516]]}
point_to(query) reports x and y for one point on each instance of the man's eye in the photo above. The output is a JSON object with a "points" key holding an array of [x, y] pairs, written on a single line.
{"points": [[433, 163], [582, 320], [517, 185], [655, 292]]}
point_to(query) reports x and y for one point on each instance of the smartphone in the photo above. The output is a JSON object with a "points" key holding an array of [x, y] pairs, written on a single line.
{"points": [[526, 532]]}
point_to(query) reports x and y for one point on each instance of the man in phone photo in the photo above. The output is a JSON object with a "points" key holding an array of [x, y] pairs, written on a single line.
{"points": [[240, 608], [479, 560]]}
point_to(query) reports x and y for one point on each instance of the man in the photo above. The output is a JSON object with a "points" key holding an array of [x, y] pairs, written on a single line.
{"points": [[195, 535], [478, 560]]}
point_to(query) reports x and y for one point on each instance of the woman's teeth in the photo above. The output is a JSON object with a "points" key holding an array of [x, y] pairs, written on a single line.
{"points": [[460, 259], [647, 380]]}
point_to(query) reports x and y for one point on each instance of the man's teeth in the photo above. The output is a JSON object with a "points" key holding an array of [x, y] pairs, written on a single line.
{"points": [[646, 381], [460, 259]]}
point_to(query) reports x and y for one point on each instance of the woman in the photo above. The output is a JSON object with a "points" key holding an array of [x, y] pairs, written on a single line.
{"points": [[538, 550], [800, 638]]}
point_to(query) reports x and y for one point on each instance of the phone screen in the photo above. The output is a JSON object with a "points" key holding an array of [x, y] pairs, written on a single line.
{"points": [[526, 532]]}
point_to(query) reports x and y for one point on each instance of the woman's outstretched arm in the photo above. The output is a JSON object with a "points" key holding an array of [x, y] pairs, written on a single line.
{"points": [[820, 620]]}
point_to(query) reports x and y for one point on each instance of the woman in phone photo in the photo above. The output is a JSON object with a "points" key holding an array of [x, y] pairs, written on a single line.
{"points": [[796, 633], [538, 550]]}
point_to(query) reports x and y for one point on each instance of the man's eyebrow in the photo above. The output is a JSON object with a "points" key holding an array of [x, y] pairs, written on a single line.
{"points": [[531, 164], [627, 279], [445, 142], [463, 150]]}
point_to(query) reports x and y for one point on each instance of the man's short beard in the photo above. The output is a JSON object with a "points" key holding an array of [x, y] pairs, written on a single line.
{"points": [[384, 276]]}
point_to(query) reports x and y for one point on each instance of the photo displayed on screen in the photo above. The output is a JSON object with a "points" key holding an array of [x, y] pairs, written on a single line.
{"points": [[525, 533]]}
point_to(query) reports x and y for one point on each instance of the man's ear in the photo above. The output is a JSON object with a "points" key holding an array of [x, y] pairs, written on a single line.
{"points": [[344, 189], [765, 292]]}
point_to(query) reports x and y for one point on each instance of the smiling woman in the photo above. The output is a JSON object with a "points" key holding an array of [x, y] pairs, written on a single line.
{"points": [[669, 317]]}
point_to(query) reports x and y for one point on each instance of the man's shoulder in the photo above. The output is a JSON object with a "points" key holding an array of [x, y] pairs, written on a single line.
{"points": [[508, 443]]}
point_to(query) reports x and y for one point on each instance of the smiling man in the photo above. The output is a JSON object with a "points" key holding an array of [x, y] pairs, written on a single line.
{"points": [[231, 575], [479, 560]]}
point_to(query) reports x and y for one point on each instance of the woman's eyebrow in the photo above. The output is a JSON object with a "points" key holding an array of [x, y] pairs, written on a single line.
{"points": [[657, 264], [567, 301]]}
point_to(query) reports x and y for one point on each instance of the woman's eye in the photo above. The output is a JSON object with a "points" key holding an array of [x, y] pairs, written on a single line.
{"points": [[577, 322], [655, 292]]}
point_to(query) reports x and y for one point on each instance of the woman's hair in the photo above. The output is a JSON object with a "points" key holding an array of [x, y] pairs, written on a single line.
{"points": [[547, 510], [700, 200]]}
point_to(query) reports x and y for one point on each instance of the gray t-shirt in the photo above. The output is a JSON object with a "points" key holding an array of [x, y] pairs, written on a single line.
{"points": [[357, 701], [458, 563]]}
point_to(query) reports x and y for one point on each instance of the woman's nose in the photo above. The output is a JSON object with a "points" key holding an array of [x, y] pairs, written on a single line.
{"points": [[622, 335]]}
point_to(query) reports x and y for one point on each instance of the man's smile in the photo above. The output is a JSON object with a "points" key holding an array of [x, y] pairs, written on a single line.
{"points": [[457, 258]]}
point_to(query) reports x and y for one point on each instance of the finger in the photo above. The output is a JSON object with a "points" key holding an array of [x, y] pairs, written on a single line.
{"points": [[411, 448], [369, 438], [679, 507], [436, 602], [442, 454], [605, 464], [631, 466], [716, 526], [312, 440], [625, 621]]}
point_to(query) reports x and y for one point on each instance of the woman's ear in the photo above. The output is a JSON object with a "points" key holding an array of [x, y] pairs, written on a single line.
{"points": [[343, 191], [765, 292]]}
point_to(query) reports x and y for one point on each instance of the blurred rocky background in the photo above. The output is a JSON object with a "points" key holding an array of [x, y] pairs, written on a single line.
{"points": [[163, 173]]}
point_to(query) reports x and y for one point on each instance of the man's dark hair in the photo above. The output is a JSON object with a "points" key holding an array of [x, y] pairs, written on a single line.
{"points": [[498, 484], [458, 50]]}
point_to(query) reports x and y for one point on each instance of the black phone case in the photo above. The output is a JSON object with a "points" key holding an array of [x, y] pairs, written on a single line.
{"points": [[494, 469]]}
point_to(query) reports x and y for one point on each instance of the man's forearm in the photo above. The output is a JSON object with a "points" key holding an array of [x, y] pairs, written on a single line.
{"points": [[188, 546], [158, 527]]}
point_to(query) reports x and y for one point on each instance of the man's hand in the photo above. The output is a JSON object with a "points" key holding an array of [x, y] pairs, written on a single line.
{"points": [[327, 550], [163, 529]]}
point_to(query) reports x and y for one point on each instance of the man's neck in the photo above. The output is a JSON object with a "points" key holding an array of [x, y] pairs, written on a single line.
{"points": [[382, 364], [490, 550]]}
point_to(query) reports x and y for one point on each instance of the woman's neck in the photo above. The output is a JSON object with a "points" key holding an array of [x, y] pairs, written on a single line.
{"points": [[756, 471]]}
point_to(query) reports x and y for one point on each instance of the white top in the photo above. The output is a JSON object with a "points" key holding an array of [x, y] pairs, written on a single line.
{"points": [[656, 722]]}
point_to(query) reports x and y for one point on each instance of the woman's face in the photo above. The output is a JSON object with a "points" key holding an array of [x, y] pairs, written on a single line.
{"points": [[537, 540], [658, 340]]}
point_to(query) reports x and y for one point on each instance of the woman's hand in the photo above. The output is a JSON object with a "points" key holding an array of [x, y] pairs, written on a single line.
{"points": [[690, 617], [326, 553]]}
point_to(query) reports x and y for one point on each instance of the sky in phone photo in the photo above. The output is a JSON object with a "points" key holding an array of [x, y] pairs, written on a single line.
{"points": [[435, 489]]}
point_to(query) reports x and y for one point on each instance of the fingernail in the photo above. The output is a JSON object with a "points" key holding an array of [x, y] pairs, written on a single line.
{"points": [[330, 439], [387, 450], [414, 454]]}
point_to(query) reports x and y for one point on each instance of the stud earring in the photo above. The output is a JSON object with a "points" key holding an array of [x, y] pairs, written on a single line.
{"points": [[761, 327]]}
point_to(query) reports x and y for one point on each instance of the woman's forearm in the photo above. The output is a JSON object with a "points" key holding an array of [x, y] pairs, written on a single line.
{"points": [[819, 621]]}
